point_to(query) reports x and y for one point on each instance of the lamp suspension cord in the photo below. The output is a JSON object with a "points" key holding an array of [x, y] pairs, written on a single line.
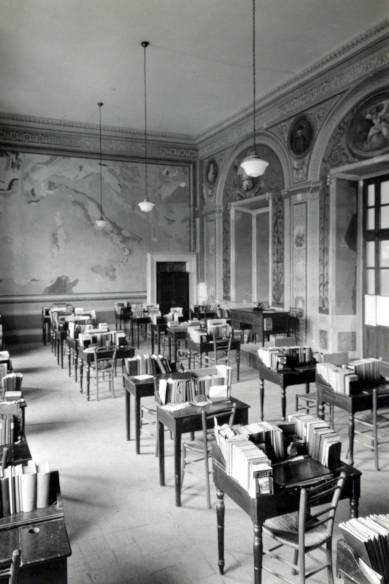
{"points": [[254, 76], [145, 44], [100, 104]]}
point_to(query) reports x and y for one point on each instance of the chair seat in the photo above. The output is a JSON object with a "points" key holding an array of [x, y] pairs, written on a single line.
{"points": [[285, 528], [367, 418]]}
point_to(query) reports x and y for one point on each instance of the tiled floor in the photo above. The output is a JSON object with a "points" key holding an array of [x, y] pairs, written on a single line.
{"points": [[124, 527]]}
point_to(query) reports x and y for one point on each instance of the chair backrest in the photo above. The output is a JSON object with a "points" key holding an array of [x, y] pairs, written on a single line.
{"points": [[13, 570], [206, 417], [327, 495], [105, 355]]}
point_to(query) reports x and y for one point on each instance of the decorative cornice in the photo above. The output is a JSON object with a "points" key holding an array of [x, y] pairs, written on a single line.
{"points": [[96, 296], [330, 76], [40, 135]]}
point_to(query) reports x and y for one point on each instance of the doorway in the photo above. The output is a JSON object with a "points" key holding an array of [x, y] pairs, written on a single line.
{"points": [[172, 286]]}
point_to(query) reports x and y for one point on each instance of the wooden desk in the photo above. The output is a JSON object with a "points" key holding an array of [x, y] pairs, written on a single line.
{"points": [[44, 549], [284, 500], [283, 378], [87, 358], [45, 324], [349, 403], [262, 322], [206, 346], [175, 334], [188, 420], [138, 321], [156, 330], [138, 388]]}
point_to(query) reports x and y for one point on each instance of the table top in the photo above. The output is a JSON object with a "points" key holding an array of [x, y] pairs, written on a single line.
{"points": [[190, 411], [355, 402]]}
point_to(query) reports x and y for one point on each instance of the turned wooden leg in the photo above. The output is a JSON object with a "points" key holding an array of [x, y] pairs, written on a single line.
{"points": [[261, 397], [257, 551], [354, 507], [283, 402], [220, 511], [128, 416], [351, 428]]}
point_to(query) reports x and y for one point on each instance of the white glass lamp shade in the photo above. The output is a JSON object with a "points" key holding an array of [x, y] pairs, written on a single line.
{"points": [[253, 165], [146, 206], [100, 223]]}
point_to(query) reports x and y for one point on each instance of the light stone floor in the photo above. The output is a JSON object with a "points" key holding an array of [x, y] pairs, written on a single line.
{"points": [[124, 527]]}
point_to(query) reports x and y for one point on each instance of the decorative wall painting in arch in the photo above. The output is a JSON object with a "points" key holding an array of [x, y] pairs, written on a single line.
{"points": [[368, 131]]}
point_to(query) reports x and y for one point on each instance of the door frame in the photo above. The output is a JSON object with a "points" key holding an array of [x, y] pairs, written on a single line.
{"points": [[168, 256]]}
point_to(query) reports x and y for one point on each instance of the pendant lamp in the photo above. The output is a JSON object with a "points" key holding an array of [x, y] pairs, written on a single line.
{"points": [[146, 205], [252, 164], [100, 223]]}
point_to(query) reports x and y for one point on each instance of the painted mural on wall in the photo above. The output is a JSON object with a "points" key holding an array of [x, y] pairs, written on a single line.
{"points": [[48, 208], [238, 186], [355, 138]]}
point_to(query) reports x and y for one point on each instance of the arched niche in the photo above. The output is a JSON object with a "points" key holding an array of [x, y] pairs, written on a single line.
{"points": [[234, 186]]}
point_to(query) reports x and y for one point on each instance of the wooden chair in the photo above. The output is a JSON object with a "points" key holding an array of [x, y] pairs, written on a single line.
{"points": [[220, 336], [13, 571], [200, 448], [371, 425], [103, 368], [306, 530]]}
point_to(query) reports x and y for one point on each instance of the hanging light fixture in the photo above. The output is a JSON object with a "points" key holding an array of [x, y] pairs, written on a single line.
{"points": [[252, 164], [146, 205], [100, 223]]}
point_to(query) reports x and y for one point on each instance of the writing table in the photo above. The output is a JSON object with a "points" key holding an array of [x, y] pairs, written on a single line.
{"points": [[351, 404], [262, 322], [156, 330], [87, 357], [175, 334], [284, 500], [44, 549], [184, 420], [138, 321], [283, 378], [138, 388], [206, 346]]}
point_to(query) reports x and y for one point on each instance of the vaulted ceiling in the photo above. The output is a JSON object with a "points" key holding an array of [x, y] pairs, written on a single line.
{"points": [[59, 57]]}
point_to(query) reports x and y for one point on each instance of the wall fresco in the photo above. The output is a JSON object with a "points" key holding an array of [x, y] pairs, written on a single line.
{"points": [[49, 241]]}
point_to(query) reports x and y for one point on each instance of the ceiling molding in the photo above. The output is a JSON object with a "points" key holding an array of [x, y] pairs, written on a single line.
{"points": [[332, 75], [42, 135]]}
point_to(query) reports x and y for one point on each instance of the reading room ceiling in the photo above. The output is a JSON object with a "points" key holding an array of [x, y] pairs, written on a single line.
{"points": [[58, 58]]}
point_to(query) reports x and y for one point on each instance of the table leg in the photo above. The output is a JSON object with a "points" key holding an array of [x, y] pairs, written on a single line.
{"points": [[237, 365], [57, 350], [88, 382], [320, 409], [137, 334], [220, 512], [175, 350], [161, 453], [61, 345], [170, 348], [283, 403], [354, 507], [177, 466], [75, 366], [132, 332], [81, 376], [137, 423], [128, 415], [307, 387], [351, 429], [70, 362], [257, 552], [152, 340], [159, 341], [261, 396]]}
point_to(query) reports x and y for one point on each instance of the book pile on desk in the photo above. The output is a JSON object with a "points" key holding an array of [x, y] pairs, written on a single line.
{"points": [[281, 357], [216, 385], [24, 487], [323, 443], [369, 538], [176, 390], [341, 379], [147, 365]]}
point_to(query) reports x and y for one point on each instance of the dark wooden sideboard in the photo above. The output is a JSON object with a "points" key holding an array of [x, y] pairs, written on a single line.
{"points": [[261, 322]]}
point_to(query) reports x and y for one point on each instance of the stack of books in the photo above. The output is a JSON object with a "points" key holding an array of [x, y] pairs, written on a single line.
{"points": [[177, 390], [369, 370], [147, 365], [339, 378], [248, 465], [24, 488], [263, 433], [286, 357], [369, 538], [322, 442]]}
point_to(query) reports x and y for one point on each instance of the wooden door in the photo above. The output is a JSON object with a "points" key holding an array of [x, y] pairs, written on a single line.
{"points": [[376, 267], [173, 290]]}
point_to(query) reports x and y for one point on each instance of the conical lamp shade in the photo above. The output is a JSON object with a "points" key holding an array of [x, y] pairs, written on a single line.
{"points": [[253, 165]]}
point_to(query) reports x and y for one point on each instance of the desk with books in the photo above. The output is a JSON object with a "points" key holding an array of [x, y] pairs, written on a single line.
{"points": [[183, 420], [283, 378], [138, 386], [285, 498], [137, 322], [261, 322], [175, 334], [356, 402], [206, 345]]}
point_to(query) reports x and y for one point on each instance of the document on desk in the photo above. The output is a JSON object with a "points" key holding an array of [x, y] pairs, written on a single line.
{"points": [[299, 472]]}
